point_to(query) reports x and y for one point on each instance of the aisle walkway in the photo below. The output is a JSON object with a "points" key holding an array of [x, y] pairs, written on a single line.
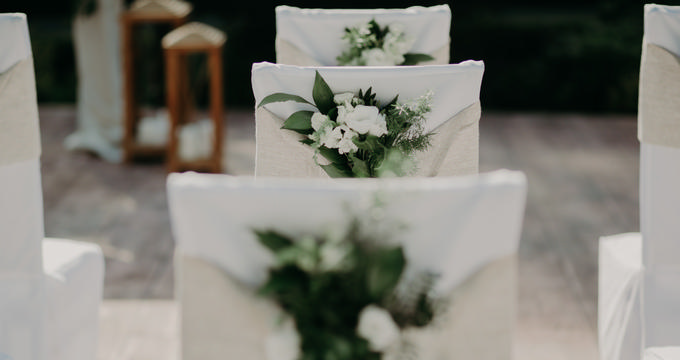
{"points": [[583, 181]]}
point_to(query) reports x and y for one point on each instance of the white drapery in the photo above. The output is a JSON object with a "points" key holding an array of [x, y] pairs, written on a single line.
{"points": [[219, 260], [313, 37], [454, 116], [96, 40]]}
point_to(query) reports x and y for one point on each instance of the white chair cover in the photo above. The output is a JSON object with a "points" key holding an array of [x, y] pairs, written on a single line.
{"points": [[658, 304], [22, 298], [312, 37], [659, 179], [662, 353], [49, 292], [219, 259], [454, 117], [620, 285], [96, 40]]}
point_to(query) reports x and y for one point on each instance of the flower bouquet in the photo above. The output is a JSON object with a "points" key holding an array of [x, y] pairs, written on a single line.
{"points": [[373, 45], [357, 136], [343, 296]]}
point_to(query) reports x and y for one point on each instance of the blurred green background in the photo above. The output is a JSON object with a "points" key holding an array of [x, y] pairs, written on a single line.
{"points": [[577, 55]]}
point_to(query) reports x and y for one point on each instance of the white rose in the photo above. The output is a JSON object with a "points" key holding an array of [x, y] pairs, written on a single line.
{"points": [[283, 343], [377, 326], [343, 99], [319, 121], [363, 119], [376, 57]]}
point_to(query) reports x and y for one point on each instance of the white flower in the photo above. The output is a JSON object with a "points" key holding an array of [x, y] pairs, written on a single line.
{"points": [[330, 137], [363, 119], [343, 99], [320, 120], [346, 144], [333, 255], [283, 343], [376, 57], [377, 326]]}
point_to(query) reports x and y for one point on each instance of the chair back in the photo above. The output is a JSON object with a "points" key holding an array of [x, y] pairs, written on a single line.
{"points": [[466, 229], [454, 118], [659, 133], [21, 209], [313, 37]]}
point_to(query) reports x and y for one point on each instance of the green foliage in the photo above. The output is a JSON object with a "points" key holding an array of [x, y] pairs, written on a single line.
{"points": [[322, 94], [325, 294], [415, 58], [282, 97], [300, 121]]}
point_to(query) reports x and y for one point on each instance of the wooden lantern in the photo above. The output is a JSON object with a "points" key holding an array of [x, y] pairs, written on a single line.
{"points": [[189, 39], [172, 12]]}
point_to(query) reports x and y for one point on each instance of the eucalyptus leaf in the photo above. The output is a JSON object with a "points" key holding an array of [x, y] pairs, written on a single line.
{"points": [[414, 59], [322, 94], [300, 121], [282, 97], [336, 170]]}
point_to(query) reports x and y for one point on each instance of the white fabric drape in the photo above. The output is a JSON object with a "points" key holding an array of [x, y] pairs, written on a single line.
{"points": [[454, 116], [662, 353], [311, 37], [656, 304], [219, 259], [49, 290], [96, 40]]}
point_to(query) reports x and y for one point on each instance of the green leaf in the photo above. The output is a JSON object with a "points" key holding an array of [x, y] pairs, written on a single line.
{"points": [[371, 144], [384, 272], [300, 121], [322, 94], [393, 102], [273, 240], [332, 155], [336, 170], [414, 59], [360, 168], [281, 97], [307, 141]]}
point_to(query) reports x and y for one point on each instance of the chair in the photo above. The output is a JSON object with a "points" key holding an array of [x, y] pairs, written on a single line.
{"points": [[96, 40], [50, 289], [218, 260], [312, 37], [454, 118], [647, 299]]}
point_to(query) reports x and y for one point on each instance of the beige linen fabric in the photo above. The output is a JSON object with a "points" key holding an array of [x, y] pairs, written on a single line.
{"points": [[20, 135], [223, 319], [659, 107], [454, 150], [287, 53]]}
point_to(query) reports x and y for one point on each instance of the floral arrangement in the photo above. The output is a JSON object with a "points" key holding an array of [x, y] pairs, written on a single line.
{"points": [[372, 45], [356, 135], [343, 296]]}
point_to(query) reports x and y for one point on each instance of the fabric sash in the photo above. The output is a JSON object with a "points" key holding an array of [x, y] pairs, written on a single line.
{"points": [[287, 53], [224, 319], [454, 149], [659, 99], [19, 128]]}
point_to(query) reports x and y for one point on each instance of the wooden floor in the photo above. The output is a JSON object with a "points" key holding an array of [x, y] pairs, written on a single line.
{"points": [[583, 180]]}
